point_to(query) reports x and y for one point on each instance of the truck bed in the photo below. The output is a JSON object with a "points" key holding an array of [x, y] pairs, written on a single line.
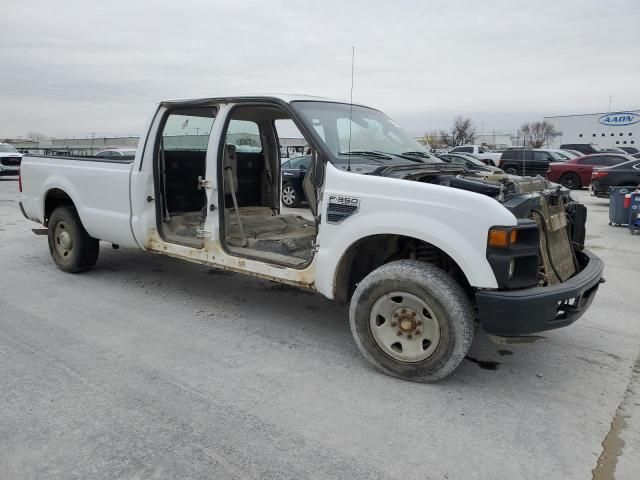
{"points": [[99, 187]]}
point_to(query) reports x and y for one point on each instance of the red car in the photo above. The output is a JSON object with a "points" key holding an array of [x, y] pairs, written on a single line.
{"points": [[576, 173]]}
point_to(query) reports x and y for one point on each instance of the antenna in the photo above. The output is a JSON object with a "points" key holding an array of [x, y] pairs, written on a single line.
{"points": [[353, 56]]}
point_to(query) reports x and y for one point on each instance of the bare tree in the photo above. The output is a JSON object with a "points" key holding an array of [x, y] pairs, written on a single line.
{"points": [[538, 133], [462, 132]]}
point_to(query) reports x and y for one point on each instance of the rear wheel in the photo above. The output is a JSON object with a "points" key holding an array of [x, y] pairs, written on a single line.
{"points": [[511, 171], [71, 247], [412, 320], [289, 196], [571, 181]]}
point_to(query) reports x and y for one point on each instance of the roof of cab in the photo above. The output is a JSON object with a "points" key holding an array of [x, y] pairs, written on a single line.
{"points": [[283, 97]]}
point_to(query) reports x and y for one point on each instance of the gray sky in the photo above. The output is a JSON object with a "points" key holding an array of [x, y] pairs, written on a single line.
{"points": [[75, 67]]}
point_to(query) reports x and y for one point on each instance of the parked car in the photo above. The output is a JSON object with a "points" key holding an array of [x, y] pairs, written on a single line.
{"points": [[480, 152], [584, 148], [631, 150], [293, 172], [117, 153], [576, 173], [526, 161], [10, 160], [621, 175], [419, 250], [470, 162]]}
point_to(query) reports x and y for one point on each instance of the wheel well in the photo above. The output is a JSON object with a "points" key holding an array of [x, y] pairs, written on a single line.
{"points": [[369, 253], [54, 199]]}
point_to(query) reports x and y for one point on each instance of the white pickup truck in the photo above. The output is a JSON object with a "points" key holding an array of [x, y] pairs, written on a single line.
{"points": [[480, 152], [420, 248]]}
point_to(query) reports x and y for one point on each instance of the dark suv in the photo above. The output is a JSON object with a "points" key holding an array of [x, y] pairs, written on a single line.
{"points": [[525, 162], [585, 148]]}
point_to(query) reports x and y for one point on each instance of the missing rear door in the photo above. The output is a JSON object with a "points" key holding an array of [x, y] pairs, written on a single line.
{"points": [[180, 163]]}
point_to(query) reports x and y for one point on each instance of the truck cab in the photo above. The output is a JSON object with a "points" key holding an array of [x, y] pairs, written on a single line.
{"points": [[419, 248]]}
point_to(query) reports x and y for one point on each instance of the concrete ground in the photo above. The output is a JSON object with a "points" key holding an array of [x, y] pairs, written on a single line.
{"points": [[148, 367]]}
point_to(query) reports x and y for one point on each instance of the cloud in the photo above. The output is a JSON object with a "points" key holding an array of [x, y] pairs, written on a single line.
{"points": [[70, 67]]}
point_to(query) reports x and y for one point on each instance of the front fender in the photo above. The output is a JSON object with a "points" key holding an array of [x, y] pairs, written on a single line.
{"points": [[454, 220]]}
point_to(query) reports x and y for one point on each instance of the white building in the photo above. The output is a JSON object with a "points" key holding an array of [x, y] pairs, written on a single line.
{"points": [[603, 130]]}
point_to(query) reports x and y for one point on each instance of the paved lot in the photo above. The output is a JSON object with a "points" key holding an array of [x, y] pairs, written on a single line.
{"points": [[147, 367]]}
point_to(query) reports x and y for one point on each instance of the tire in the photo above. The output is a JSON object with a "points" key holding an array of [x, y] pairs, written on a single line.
{"points": [[571, 181], [290, 197], [71, 247], [433, 341], [511, 171]]}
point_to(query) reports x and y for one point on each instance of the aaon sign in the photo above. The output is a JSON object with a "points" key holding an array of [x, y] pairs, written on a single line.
{"points": [[618, 119]]}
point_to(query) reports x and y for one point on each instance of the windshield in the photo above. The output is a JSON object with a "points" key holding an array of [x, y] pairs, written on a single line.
{"points": [[360, 131], [7, 149]]}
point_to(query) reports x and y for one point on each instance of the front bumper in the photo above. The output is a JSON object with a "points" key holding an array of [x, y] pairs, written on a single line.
{"points": [[512, 313]]}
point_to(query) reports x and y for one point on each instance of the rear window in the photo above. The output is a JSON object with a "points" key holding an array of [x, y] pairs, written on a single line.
{"points": [[245, 135], [188, 129], [463, 149]]}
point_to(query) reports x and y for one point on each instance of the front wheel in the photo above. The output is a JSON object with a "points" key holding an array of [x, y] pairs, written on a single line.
{"points": [[289, 196], [72, 248], [412, 320], [511, 171]]}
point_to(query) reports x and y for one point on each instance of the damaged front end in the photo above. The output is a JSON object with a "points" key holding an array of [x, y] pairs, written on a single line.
{"points": [[552, 224], [546, 278]]}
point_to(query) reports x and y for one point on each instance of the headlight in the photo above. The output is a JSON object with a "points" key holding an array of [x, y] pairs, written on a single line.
{"points": [[512, 253]]}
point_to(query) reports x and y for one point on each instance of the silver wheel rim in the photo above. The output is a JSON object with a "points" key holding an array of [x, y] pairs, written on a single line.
{"points": [[405, 327], [63, 241], [288, 195]]}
